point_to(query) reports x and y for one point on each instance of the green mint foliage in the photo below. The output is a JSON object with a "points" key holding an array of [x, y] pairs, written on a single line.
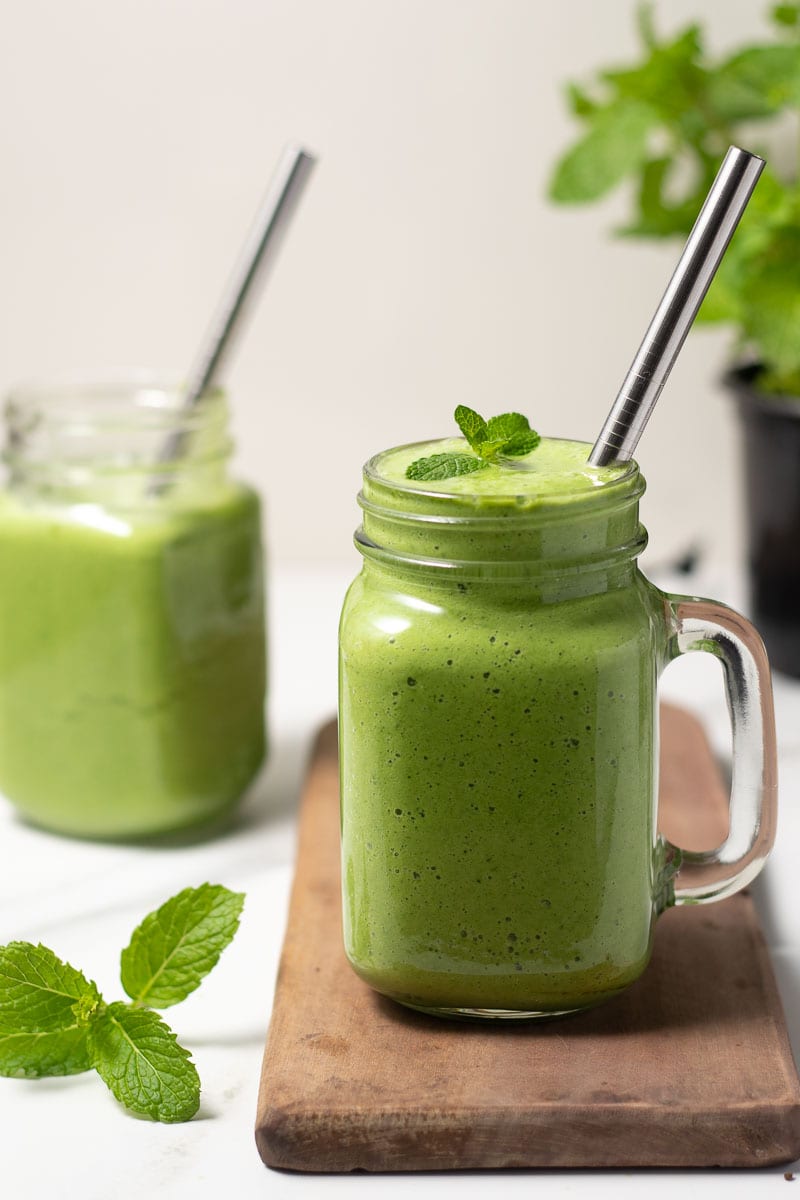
{"points": [[43, 1013], [506, 426], [138, 1057], [53, 1020], [473, 426], [514, 433], [615, 145], [663, 124], [444, 466], [39, 991], [522, 443], [508, 434], [175, 947], [25, 1055]]}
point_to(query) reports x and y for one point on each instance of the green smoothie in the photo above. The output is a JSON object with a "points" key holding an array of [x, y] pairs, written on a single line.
{"points": [[499, 654], [131, 660]]}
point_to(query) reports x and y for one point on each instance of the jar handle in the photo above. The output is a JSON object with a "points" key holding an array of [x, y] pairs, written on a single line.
{"points": [[707, 875]]}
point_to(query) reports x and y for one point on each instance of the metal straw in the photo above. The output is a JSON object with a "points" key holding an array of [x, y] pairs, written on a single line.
{"points": [[673, 319], [255, 260]]}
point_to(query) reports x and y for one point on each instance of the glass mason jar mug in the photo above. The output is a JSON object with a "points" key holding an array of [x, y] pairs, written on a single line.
{"points": [[132, 671], [499, 655]]}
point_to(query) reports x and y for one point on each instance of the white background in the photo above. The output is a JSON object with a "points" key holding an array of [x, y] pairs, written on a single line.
{"points": [[426, 267]]}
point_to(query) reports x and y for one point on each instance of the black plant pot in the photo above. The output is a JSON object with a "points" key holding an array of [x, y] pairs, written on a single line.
{"points": [[771, 456]]}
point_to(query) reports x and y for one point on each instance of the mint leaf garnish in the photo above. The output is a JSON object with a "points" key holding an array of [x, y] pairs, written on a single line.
{"points": [[176, 946], [473, 426], [515, 433], [53, 1020], [37, 990], [444, 466], [43, 1006], [25, 1055], [138, 1057], [491, 448], [509, 434], [507, 425], [522, 443]]}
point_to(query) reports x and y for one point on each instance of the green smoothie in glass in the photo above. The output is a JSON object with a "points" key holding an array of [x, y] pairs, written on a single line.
{"points": [[499, 658], [132, 669]]}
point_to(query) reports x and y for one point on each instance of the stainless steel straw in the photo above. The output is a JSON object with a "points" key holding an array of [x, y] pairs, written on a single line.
{"points": [[673, 319], [255, 260]]}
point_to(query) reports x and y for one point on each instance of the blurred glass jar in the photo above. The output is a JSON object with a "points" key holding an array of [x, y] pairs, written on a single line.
{"points": [[132, 643]]}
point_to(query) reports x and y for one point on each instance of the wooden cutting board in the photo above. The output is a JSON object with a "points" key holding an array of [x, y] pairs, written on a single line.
{"points": [[691, 1067]]}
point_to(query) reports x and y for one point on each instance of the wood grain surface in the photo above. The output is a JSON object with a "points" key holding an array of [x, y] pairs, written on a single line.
{"points": [[690, 1067]]}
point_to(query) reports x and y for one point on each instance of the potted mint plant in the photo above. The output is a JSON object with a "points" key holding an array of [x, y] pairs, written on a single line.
{"points": [[663, 124]]}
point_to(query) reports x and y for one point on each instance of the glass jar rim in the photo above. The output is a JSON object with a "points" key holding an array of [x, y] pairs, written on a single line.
{"points": [[108, 398], [112, 432]]}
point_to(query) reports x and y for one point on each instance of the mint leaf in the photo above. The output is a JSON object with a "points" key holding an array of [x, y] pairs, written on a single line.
{"points": [[138, 1057], [472, 426], [757, 82], [670, 79], [506, 425], [36, 1055], [444, 466], [38, 991], [45, 1005], [615, 146], [771, 310], [522, 443], [513, 433], [178, 944]]}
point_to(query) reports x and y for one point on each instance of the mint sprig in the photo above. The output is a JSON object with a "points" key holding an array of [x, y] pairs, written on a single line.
{"points": [[508, 435], [53, 1020], [659, 125]]}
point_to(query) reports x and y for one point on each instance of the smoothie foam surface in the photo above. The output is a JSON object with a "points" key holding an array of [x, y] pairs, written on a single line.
{"points": [[557, 468]]}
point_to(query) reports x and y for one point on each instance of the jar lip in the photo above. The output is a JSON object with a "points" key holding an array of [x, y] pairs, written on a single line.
{"points": [[103, 430], [71, 391], [479, 504]]}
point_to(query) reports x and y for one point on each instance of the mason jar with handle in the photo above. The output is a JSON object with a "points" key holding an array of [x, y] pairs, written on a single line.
{"points": [[499, 658], [132, 654]]}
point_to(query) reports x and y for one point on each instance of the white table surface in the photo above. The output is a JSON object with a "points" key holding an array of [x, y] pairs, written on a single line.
{"points": [[68, 1138]]}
